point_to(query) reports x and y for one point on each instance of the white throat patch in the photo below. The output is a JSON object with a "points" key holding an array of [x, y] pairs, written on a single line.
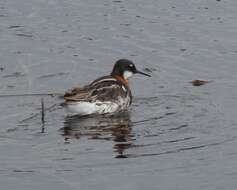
{"points": [[127, 74]]}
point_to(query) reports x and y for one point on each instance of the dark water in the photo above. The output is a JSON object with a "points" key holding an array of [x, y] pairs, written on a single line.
{"points": [[175, 136]]}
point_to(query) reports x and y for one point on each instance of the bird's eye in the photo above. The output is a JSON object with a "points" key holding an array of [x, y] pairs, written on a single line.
{"points": [[131, 65]]}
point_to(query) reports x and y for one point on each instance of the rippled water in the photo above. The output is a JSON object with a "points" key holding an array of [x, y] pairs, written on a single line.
{"points": [[175, 136]]}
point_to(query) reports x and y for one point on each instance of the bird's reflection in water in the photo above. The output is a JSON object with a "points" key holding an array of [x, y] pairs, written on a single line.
{"points": [[116, 128]]}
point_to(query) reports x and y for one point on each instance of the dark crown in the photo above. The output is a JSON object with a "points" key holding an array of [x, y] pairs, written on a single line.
{"points": [[123, 65]]}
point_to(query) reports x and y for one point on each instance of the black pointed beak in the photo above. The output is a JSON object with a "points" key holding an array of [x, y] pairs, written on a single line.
{"points": [[139, 72]]}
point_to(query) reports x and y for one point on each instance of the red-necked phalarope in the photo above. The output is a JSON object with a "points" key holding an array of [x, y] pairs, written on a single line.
{"points": [[107, 94]]}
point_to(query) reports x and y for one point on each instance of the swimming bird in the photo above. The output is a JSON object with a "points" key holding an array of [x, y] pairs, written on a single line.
{"points": [[106, 94]]}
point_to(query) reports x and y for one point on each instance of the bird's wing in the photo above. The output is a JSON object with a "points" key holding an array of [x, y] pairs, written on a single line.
{"points": [[106, 90], [76, 94]]}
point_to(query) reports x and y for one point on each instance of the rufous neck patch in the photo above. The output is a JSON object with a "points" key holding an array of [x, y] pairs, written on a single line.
{"points": [[123, 80]]}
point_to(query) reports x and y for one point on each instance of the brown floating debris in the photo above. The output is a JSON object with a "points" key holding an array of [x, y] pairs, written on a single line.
{"points": [[199, 82]]}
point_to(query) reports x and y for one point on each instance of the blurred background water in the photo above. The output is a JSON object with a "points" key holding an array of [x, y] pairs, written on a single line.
{"points": [[175, 136]]}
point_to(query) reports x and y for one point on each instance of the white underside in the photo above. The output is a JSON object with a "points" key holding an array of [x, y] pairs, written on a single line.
{"points": [[86, 108]]}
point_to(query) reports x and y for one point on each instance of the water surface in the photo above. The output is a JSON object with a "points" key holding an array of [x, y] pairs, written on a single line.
{"points": [[175, 136]]}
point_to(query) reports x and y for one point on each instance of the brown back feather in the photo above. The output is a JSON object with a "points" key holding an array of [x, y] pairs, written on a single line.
{"points": [[105, 90]]}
